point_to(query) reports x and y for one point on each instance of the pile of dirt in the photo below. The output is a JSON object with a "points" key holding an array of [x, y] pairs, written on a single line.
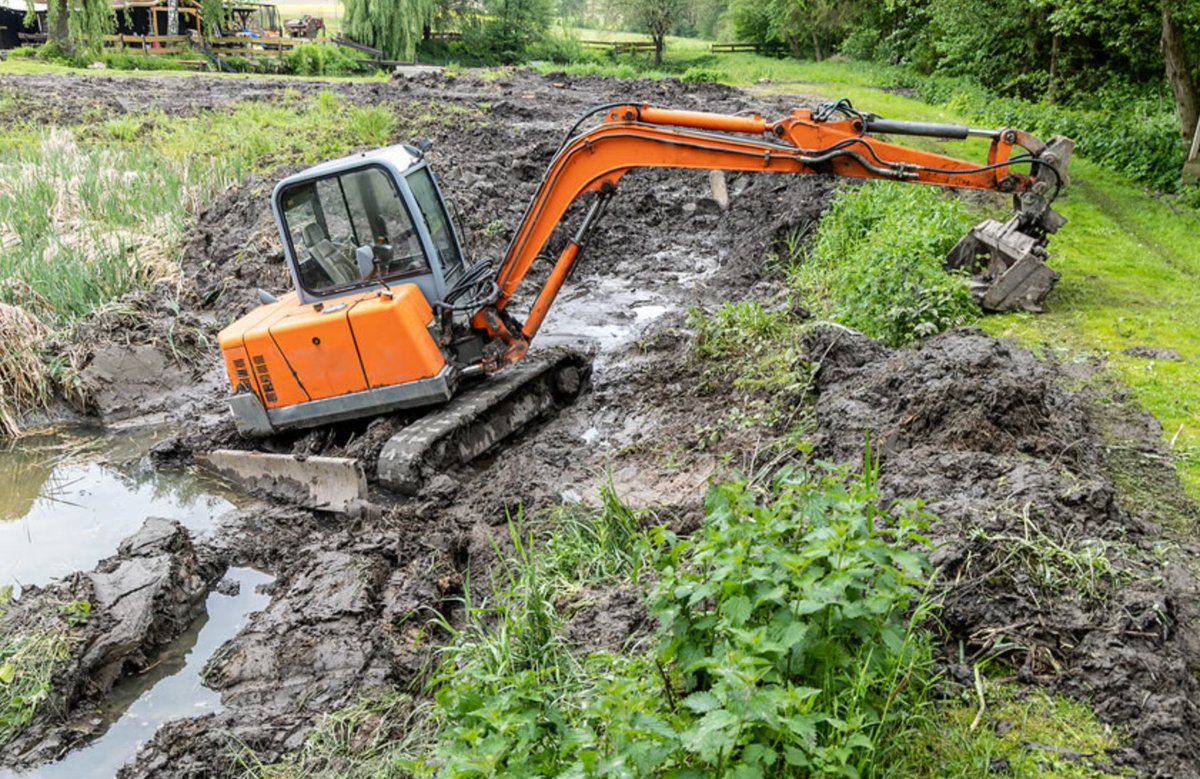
{"points": [[1040, 565]]}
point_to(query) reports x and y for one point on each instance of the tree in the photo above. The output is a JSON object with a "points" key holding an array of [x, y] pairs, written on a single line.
{"points": [[507, 28], [659, 17], [78, 27], [212, 16], [395, 26], [1178, 62]]}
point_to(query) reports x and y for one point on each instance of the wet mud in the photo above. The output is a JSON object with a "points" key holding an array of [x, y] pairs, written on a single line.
{"points": [[979, 428], [1039, 563]]}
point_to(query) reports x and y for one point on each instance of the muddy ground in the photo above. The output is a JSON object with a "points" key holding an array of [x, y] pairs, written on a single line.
{"points": [[982, 430]]}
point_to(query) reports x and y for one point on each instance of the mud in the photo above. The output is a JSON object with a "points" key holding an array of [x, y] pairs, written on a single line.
{"points": [[981, 429], [1040, 566]]}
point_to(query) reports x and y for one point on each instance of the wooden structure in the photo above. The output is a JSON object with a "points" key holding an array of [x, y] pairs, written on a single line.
{"points": [[1191, 168], [773, 48], [619, 47]]}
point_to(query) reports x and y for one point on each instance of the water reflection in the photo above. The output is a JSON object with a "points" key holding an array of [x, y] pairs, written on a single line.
{"points": [[67, 501]]}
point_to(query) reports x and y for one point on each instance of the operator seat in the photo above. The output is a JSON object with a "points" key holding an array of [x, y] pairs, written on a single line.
{"points": [[340, 268]]}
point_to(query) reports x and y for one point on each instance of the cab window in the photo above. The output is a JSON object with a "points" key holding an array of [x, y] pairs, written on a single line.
{"points": [[351, 229], [437, 222]]}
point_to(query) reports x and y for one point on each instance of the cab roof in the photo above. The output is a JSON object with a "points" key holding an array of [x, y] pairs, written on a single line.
{"points": [[400, 156]]}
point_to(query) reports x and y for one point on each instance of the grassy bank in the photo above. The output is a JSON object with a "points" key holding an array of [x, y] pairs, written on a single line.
{"points": [[89, 213]]}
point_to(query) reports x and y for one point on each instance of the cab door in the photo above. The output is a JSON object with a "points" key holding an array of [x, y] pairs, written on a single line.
{"points": [[435, 219]]}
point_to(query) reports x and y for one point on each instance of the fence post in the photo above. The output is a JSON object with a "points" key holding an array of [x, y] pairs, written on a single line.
{"points": [[1191, 168]]}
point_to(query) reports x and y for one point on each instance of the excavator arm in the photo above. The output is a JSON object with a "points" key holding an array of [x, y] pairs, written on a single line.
{"points": [[833, 140]]}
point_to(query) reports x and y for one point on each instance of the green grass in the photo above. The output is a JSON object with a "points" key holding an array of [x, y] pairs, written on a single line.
{"points": [[1024, 733], [32, 649], [875, 263]]}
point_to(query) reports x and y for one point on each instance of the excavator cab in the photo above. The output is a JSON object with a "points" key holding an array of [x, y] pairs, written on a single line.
{"points": [[372, 253], [367, 221]]}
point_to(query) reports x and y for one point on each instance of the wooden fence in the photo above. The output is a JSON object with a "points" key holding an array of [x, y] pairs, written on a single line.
{"points": [[757, 48], [225, 45], [619, 47]]}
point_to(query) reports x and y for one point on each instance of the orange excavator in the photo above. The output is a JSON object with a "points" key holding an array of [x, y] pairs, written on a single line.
{"points": [[388, 314]]}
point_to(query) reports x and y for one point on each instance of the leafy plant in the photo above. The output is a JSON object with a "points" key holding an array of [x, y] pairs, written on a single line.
{"points": [[876, 263], [790, 620]]}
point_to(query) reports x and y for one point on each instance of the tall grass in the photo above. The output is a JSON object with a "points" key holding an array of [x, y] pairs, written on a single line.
{"points": [[80, 225]]}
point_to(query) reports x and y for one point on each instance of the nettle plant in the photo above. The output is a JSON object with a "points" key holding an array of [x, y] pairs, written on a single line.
{"points": [[791, 621], [789, 646]]}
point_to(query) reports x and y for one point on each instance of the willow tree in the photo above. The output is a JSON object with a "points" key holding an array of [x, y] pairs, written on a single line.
{"points": [[212, 17], [78, 27], [395, 26]]}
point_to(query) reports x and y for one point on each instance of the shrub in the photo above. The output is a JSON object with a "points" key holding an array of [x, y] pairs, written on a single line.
{"points": [[698, 75], [561, 47], [789, 620], [313, 59], [876, 263]]}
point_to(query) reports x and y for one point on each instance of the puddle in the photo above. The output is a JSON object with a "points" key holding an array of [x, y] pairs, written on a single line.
{"points": [[172, 689], [609, 312], [65, 505]]}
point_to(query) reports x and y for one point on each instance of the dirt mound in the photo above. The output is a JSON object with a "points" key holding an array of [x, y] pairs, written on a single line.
{"points": [[234, 250], [1040, 566]]}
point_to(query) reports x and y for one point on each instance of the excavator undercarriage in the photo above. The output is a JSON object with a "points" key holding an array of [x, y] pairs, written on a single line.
{"points": [[388, 314]]}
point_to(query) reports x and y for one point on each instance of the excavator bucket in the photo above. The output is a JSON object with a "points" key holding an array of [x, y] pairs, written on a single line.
{"points": [[1008, 260]]}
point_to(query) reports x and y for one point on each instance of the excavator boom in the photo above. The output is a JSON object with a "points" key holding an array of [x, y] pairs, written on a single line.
{"points": [[805, 143]]}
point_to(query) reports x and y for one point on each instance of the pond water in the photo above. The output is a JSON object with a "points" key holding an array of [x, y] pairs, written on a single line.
{"points": [[67, 500]]}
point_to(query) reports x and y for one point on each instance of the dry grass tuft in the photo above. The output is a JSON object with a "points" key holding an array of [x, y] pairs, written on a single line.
{"points": [[24, 382]]}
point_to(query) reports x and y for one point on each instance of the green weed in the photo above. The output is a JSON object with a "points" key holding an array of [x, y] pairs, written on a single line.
{"points": [[876, 263], [365, 740], [791, 622], [31, 651], [758, 351], [1026, 733]]}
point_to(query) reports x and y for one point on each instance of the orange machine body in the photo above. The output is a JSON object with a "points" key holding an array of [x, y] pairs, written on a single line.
{"points": [[289, 354]]}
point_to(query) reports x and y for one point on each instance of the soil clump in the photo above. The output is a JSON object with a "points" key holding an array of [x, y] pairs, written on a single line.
{"points": [[1040, 566]]}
